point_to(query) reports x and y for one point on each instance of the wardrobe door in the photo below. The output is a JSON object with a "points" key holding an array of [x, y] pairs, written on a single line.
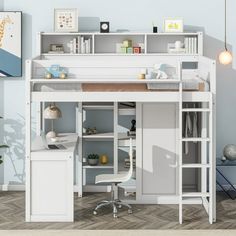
{"points": [[159, 143]]}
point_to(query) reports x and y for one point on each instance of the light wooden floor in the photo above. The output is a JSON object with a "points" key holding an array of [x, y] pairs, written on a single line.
{"points": [[144, 216]]}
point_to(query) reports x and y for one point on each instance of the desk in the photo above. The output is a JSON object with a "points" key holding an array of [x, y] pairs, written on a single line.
{"points": [[51, 184]]}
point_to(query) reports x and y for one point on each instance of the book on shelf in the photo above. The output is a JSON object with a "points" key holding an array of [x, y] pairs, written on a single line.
{"points": [[78, 44], [74, 45]]}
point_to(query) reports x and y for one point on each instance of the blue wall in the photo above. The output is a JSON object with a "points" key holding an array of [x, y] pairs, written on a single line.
{"points": [[134, 15]]}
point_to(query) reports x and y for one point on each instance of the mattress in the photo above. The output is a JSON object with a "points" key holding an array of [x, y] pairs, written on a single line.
{"points": [[194, 84]]}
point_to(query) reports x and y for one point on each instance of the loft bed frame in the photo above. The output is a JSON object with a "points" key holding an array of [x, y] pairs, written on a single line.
{"points": [[101, 77]]}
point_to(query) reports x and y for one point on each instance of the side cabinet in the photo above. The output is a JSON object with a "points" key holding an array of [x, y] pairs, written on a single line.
{"points": [[157, 137], [51, 186]]}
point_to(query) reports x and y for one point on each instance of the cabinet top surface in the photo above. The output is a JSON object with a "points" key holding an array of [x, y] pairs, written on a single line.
{"points": [[120, 33], [69, 141]]}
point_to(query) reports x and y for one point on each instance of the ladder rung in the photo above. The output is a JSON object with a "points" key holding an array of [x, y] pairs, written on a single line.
{"points": [[195, 194], [196, 110], [189, 200], [196, 165], [195, 139]]}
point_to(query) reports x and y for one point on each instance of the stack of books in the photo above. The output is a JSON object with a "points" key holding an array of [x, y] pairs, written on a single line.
{"points": [[191, 45], [82, 45], [127, 162]]}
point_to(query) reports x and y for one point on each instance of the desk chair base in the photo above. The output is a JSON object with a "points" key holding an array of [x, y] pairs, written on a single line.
{"points": [[114, 204]]}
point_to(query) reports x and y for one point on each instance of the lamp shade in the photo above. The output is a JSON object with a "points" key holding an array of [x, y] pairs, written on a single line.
{"points": [[225, 57], [52, 112]]}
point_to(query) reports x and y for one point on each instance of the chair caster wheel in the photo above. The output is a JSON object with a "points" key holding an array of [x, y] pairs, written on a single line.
{"points": [[130, 211], [95, 213], [115, 216]]}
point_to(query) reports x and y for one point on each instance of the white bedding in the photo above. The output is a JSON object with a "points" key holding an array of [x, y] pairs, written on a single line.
{"points": [[188, 84]]}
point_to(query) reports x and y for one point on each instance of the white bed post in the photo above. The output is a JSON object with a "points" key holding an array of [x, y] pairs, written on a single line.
{"points": [[204, 155], [28, 75], [180, 144], [211, 171], [39, 44], [115, 146], [213, 141], [80, 149]]}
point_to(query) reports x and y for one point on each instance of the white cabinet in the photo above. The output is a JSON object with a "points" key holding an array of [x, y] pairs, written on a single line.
{"points": [[157, 136], [51, 197], [52, 187]]}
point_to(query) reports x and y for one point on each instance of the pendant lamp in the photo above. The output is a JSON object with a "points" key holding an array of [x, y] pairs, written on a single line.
{"points": [[225, 57]]}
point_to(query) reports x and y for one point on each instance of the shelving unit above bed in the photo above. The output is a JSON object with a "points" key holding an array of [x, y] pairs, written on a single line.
{"points": [[107, 43]]}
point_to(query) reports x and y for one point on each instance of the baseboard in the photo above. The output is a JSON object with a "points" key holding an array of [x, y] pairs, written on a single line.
{"points": [[12, 187], [21, 187]]}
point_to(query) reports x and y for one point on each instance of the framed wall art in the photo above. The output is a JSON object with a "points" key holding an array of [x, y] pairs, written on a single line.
{"points": [[10, 44], [173, 25], [66, 20]]}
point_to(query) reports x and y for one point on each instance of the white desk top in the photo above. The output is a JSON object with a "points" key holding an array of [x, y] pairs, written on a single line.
{"points": [[69, 141]]}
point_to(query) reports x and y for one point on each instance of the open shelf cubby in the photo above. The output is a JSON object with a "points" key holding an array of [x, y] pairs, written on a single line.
{"points": [[64, 39], [158, 44], [107, 43]]}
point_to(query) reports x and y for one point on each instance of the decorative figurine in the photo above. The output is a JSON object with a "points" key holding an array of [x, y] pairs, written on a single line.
{"points": [[132, 131], [154, 28], [159, 72], [104, 159], [229, 152], [142, 74], [136, 50], [56, 72]]}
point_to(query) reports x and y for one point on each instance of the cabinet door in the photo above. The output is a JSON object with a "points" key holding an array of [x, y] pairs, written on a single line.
{"points": [[52, 187], [159, 139]]}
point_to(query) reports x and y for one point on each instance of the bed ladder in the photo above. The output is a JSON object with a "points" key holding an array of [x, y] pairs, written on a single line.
{"points": [[206, 195]]}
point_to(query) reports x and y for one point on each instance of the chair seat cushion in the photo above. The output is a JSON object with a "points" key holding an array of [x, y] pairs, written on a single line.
{"points": [[111, 178]]}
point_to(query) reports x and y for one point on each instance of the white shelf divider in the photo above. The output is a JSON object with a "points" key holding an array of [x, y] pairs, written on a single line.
{"points": [[86, 166], [99, 136]]}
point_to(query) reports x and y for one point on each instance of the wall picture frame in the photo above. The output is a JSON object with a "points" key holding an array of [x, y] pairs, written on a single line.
{"points": [[66, 20], [173, 25], [10, 43]]}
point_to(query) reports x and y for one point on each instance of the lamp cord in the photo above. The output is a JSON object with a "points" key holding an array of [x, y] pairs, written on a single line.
{"points": [[226, 25]]}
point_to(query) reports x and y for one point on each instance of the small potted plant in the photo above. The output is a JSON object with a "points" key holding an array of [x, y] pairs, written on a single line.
{"points": [[93, 159]]}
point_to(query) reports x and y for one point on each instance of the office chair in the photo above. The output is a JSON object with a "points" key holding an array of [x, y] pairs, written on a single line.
{"points": [[115, 179]]}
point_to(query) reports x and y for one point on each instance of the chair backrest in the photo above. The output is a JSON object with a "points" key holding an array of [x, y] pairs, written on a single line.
{"points": [[130, 172]]}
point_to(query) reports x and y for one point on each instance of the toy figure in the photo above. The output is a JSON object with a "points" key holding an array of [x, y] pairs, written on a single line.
{"points": [[56, 72], [159, 72], [132, 131]]}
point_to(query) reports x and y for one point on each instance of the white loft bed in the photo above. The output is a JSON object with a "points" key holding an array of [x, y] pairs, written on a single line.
{"points": [[110, 77]]}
